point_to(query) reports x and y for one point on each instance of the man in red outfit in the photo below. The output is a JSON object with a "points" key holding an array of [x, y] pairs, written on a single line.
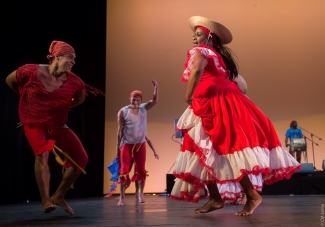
{"points": [[47, 93]]}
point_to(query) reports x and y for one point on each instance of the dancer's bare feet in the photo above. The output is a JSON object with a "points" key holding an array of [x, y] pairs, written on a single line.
{"points": [[240, 200], [211, 205], [63, 204], [49, 207], [120, 202], [250, 206], [141, 197]]}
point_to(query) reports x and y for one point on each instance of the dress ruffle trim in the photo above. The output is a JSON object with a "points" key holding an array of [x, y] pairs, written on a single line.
{"points": [[193, 172], [188, 197]]}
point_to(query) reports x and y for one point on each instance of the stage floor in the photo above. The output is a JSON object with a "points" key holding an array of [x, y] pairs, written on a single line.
{"points": [[276, 211]]}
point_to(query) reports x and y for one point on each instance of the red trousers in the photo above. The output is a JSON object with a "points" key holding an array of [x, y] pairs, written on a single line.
{"points": [[43, 141], [133, 153]]}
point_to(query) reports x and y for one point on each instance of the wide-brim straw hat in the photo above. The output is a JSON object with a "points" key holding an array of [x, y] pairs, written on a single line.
{"points": [[221, 31]]}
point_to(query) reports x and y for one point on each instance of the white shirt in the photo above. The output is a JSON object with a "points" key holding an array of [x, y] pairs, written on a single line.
{"points": [[135, 127]]}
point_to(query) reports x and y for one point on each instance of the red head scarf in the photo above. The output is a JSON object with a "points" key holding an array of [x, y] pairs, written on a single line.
{"points": [[208, 33], [58, 48], [136, 93]]}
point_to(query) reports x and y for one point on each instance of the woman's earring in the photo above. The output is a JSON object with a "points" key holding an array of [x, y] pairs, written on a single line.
{"points": [[209, 37]]}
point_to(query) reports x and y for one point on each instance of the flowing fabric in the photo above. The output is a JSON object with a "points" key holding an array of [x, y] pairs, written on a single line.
{"points": [[114, 168], [226, 136]]}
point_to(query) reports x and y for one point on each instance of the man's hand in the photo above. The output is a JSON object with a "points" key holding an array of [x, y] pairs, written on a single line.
{"points": [[154, 100], [155, 83]]}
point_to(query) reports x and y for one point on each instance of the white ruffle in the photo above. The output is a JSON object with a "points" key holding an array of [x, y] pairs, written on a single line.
{"points": [[225, 168]]}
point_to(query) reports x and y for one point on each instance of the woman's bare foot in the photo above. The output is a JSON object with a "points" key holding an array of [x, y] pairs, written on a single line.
{"points": [[240, 200], [211, 205], [250, 206], [63, 204]]}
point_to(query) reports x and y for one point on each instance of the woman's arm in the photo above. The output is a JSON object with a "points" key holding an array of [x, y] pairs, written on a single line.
{"points": [[199, 63], [286, 141]]}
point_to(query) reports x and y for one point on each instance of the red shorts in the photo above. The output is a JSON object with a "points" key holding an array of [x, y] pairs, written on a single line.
{"points": [[133, 153], [43, 141]]}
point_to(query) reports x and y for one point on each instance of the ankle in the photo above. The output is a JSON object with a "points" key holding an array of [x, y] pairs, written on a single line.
{"points": [[253, 196]]}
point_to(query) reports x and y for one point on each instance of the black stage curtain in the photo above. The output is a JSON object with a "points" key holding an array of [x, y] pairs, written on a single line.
{"points": [[28, 28]]}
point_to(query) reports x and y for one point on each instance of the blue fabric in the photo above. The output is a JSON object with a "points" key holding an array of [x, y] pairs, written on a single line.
{"points": [[114, 168], [294, 133]]}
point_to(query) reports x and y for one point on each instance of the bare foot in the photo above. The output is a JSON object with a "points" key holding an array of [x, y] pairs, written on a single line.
{"points": [[250, 206], [240, 200], [137, 196], [211, 205], [63, 204], [141, 197], [49, 207], [120, 202]]}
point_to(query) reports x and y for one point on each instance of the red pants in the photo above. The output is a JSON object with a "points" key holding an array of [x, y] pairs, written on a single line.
{"points": [[43, 141], [133, 153]]}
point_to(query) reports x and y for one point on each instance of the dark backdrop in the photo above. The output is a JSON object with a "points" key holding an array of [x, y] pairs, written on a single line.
{"points": [[27, 29]]}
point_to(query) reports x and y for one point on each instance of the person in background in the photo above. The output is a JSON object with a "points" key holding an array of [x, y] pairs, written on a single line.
{"points": [[291, 133], [131, 147]]}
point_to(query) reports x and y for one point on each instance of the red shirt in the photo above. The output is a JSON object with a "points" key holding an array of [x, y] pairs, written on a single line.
{"points": [[41, 108]]}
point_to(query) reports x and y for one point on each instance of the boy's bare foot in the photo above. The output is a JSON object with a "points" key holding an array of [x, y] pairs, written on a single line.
{"points": [[250, 206], [63, 204], [211, 205]]}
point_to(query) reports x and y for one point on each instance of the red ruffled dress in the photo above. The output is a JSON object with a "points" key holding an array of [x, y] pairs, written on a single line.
{"points": [[226, 136]]}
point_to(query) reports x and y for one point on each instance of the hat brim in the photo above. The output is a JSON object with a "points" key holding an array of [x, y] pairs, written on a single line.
{"points": [[221, 31]]}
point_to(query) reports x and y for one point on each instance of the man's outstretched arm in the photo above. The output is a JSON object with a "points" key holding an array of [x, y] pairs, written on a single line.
{"points": [[154, 100]]}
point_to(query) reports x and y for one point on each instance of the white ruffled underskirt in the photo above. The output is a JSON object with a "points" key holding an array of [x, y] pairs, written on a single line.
{"points": [[194, 169]]}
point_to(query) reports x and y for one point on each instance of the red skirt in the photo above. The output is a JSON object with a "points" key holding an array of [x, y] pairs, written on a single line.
{"points": [[227, 137]]}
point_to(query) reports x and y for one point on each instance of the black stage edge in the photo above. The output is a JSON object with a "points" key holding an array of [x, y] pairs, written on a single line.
{"points": [[298, 184]]}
